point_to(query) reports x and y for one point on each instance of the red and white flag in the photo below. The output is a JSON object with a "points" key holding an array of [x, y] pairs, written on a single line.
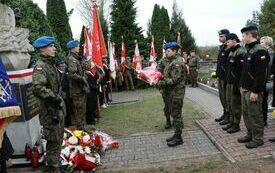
{"points": [[98, 44], [163, 50], [87, 49], [123, 54], [137, 62], [153, 56]]}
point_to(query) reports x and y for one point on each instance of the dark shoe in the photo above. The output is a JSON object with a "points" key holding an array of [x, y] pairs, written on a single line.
{"points": [[168, 125], [228, 126], [170, 139], [220, 118], [234, 129], [176, 141], [272, 139], [244, 139], [253, 144], [225, 121]]}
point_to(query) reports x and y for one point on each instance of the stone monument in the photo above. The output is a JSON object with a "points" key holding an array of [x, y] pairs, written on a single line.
{"points": [[14, 48]]}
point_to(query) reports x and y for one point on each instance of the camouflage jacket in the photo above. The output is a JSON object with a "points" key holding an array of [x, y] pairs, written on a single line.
{"points": [[194, 62], [174, 77], [77, 80], [46, 83], [163, 62]]}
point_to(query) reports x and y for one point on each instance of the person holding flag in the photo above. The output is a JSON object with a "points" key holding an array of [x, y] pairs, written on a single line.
{"points": [[127, 69]]}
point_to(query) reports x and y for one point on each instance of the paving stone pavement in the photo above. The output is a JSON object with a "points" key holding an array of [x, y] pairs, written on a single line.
{"points": [[152, 148], [227, 143], [209, 102], [233, 150]]}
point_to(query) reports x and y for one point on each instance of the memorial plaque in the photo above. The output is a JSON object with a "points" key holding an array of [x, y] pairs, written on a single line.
{"points": [[29, 104]]}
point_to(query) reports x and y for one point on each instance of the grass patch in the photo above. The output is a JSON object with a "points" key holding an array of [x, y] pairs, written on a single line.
{"points": [[146, 115]]}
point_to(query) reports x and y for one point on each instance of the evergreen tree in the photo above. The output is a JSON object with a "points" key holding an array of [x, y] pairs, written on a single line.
{"points": [[32, 18], [159, 27], [254, 21], [82, 41], [59, 21], [123, 23], [178, 25], [267, 19]]}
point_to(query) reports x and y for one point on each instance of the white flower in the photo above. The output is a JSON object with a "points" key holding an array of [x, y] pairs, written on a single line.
{"points": [[73, 140]]}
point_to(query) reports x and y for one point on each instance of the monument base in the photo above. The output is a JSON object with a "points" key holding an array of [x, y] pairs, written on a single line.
{"points": [[22, 133]]}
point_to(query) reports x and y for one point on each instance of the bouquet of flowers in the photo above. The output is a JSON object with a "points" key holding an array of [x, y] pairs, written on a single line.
{"points": [[81, 150]]}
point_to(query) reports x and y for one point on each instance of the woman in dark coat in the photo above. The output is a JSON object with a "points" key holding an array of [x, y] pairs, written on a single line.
{"points": [[5, 153]]}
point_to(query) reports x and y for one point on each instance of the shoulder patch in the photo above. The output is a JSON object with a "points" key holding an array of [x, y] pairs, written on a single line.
{"points": [[39, 67]]}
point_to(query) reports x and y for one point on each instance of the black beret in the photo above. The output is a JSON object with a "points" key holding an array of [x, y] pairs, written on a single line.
{"points": [[249, 28], [232, 36], [59, 61], [224, 32]]}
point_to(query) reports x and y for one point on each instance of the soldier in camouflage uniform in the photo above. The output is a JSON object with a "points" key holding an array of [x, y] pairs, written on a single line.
{"points": [[253, 81], [78, 85], [233, 95], [173, 81], [163, 62], [128, 74], [193, 68], [46, 84]]}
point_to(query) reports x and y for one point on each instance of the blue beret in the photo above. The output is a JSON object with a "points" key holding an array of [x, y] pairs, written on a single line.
{"points": [[232, 36], [249, 28], [224, 32], [73, 43], [171, 44], [43, 42]]}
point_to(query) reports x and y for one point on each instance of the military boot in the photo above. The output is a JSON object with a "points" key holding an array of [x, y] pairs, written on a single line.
{"points": [[235, 128], [226, 127], [170, 139], [220, 118], [168, 124], [177, 140], [225, 121], [253, 144], [244, 139]]}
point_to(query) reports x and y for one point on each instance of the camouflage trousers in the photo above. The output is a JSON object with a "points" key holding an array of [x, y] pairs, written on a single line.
{"points": [[167, 104], [253, 116], [193, 77], [79, 111], [129, 80], [176, 103], [54, 135], [176, 113]]}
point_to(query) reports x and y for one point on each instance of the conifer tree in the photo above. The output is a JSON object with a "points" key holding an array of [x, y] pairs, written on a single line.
{"points": [[123, 23], [59, 21], [159, 27], [178, 25], [267, 19]]}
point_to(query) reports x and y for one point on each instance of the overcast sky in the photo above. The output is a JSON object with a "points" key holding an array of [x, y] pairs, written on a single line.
{"points": [[204, 17]]}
